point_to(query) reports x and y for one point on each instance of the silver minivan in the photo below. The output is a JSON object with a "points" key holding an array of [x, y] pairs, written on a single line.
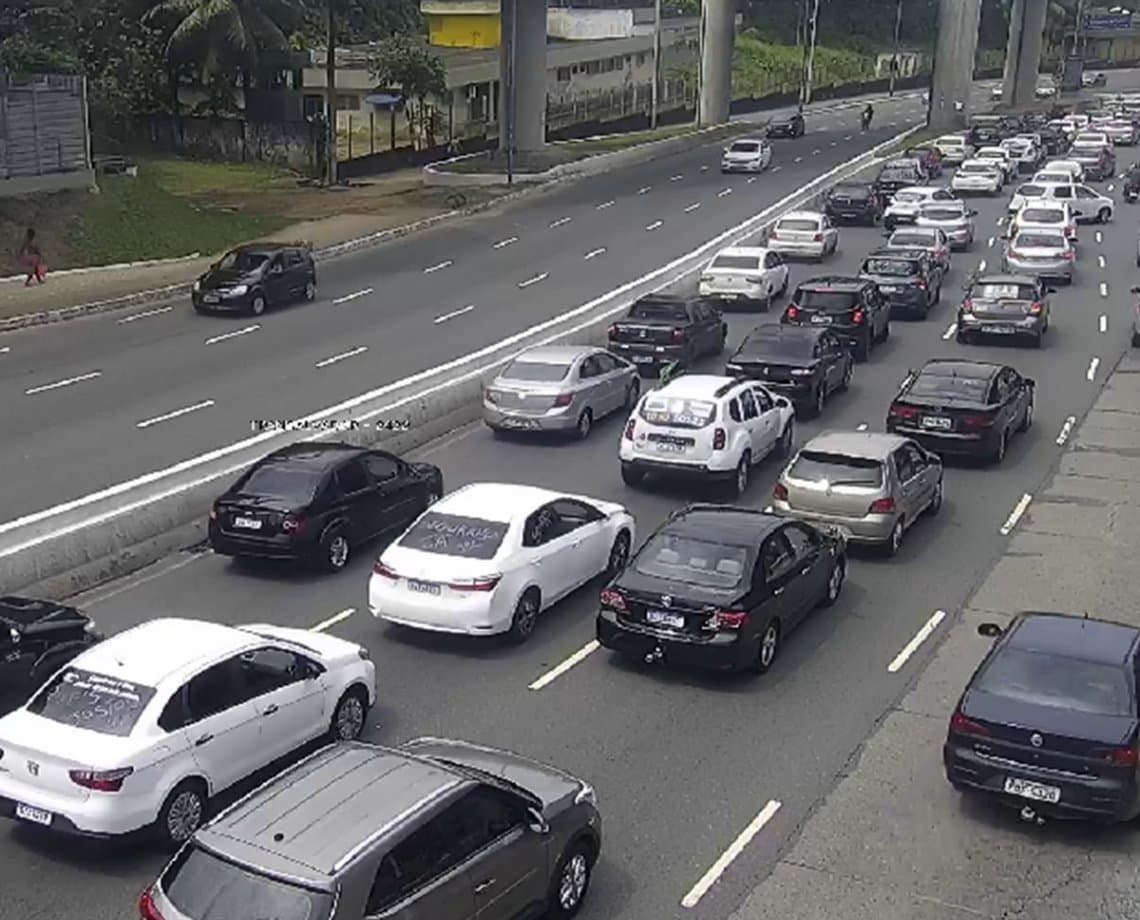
{"points": [[872, 486]]}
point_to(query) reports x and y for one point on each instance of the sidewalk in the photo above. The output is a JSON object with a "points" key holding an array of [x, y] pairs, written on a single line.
{"points": [[893, 841]]}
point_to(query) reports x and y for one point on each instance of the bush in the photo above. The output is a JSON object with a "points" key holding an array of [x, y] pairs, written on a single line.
{"points": [[760, 68]]}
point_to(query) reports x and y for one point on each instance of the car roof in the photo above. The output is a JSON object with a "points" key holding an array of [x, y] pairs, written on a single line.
{"points": [[316, 454], [501, 502], [164, 650], [694, 386], [835, 282], [867, 445], [556, 354], [802, 215], [1072, 636], [757, 251], [316, 818], [728, 522], [958, 367]]}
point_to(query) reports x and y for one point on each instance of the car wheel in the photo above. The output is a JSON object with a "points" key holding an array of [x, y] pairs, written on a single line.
{"points": [[631, 394], [819, 401], [769, 648], [936, 502], [742, 475], [619, 555], [183, 812], [632, 477], [1038, 339], [585, 425], [999, 452], [962, 338], [1104, 215], [311, 290], [894, 541], [257, 305], [348, 717], [1136, 336], [847, 372], [570, 883], [334, 551], [1027, 419], [835, 582], [525, 617], [784, 447]]}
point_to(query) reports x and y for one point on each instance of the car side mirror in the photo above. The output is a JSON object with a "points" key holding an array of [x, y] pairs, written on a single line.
{"points": [[537, 822], [14, 635], [1029, 382], [990, 630], [276, 270]]}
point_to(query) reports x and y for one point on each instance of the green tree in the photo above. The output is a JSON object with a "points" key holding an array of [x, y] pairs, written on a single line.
{"points": [[360, 21], [408, 65]]}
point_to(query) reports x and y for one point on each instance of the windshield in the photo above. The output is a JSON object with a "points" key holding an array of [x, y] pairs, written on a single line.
{"points": [[797, 224], [278, 480], [943, 386], [836, 469], [1057, 682], [1004, 292], [538, 371], [898, 175], [943, 213], [243, 261], [95, 702], [899, 268], [702, 563], [649, 309], [825, 300], [678, 412], [751, 263], [745, 147], [1043, 240], [1041, 216], [455, 535], [788, 344]]}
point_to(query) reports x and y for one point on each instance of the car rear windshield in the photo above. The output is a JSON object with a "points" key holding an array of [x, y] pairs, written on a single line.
{"points": [[538, 371], [918, 240], [898, 175], [944, 386], [899, 268], [96, 702], [676, 412], [943, 213], [455, 535], [976, 168], [1031, 191], [745, 147], [1004, 292], [851, 191], [837, 469], [810, 226], [748, 263], [653, 309], [830, 301], [1058, 682], [278, 480], [202, 886], [692, 561], [1045, 240], [1042, 216], [778, 344]]}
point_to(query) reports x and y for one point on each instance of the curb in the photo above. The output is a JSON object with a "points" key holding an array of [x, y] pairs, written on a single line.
{"points": [[118, 266]]}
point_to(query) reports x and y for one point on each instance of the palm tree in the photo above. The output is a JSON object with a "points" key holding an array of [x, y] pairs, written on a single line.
{"points": [[220, 34]]}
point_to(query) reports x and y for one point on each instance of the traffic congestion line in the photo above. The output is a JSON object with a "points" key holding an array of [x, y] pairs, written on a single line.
{"points": [[1066, 430], [177, 413], [66, 382], [226, 336], [729, 856], [333, 620], [355, 295], [1015, 515], [908, 650], [454, 313], [559, 669]]}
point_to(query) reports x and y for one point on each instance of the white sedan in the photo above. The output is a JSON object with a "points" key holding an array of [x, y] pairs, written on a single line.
{"points": [[490, 557], [144, 728], [804, 234], [978, 177], [1049, 215], [906, 204], [748, 274]]}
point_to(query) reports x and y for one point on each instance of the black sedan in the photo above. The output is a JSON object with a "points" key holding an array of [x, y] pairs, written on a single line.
{"points": [[908, 278], [853, 202], [1009, 306], [251, 278], [37, 637], [787, 126], [316, 502], [804, 364], [1048, 723], [955, 407], [721, 587]]}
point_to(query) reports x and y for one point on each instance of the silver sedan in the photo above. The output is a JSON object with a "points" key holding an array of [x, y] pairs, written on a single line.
{"points": [[1044, 253], [952, 218], [560, 388]]}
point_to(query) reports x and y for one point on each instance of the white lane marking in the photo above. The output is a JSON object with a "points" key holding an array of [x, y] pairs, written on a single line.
{"points": [[1015, 515], [558, 670], [503, 244], [990, 242], [655, 225], [847, 137], [594, 253], [356, 295], [5, 350], [1000, 220], [776, 168], [443, 318], [66, 382], [1100, 261], [692, 207], [892, 124], [704, 169], [1099, 237], [862, 426], [561, 222], [1103, 324], [214, 339], [750, 180], [723, 192], [798, 159], [835, 143], [919, 637], [166, 417], [677, 178], [343, 356], [644, 189], [1066, 430], [710, 878], [155, 312], [950, 330], [1111, 186], [537, 279], [816, 152], [982, 265], [606, 204], [1103, 289], [333, 620], [1090, 374], [440, 267]]}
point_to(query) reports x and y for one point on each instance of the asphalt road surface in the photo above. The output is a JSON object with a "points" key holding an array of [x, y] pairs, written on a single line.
{"points": [[682, 763], [74, 394]]}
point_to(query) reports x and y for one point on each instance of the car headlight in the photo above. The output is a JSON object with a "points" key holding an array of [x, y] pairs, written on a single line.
{"points": [[586, 795], [197, 286], [239, 290], [89, 627], [801, 372]]}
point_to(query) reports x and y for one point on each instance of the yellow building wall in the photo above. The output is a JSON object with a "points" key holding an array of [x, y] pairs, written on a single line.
{"points": [[459, 31]]}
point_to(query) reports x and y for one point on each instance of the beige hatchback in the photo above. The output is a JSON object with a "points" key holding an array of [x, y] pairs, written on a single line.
{"points": [[872, 486]]}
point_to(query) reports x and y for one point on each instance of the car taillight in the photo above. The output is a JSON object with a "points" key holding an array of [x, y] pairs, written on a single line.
{"points": [[780, 492], [882, 506], [968, 305], [563, 399], [1119, 757], [100, 780], [728, 619], [1069, 255], [612, 332], [293, 523], [819, 237], [613, 600], [959, 724], [857, 317], [754, 279], [486, 583], [678, 335], [792, 312], [147, 908], [977, 421], [1035, 309], [921, 285], [720, 438], [491, 396], [630, 426], [382, 570], [903, 413]]}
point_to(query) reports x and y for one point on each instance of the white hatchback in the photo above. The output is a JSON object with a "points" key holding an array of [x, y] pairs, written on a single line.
{"points": [[744, 274], [146, 727], [705, 427], [804, 234], [487, 559]]}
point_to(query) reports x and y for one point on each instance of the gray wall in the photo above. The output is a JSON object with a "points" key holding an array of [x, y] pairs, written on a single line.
{"points": [[43, 128]]}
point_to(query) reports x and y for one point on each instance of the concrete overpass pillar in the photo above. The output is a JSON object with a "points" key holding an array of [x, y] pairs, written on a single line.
{"points": [[958, 22], [524, 29], [1023, 53], [718, 32]]}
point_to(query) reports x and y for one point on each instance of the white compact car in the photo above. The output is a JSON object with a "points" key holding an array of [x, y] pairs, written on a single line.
{"points": [[906, 204], [1000, 156], [954, 148], [147, 726], [1024, 152], [1045, 215], [490, 557], [751, 154], [805, 235], [978, 177], [1091, 138], [744, 274], [1089, 205], [706, 427], [951, 217], [1074, 170]]}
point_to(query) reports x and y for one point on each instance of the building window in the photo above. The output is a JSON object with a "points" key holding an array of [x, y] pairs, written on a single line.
{"points": [[347, 103], [563, 74]]}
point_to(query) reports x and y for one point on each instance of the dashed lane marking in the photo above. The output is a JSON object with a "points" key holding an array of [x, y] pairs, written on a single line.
{"points": [[594, 253], [333, 620], [443, 318], [503, 244], [177, 413], [438, 267], [726, 859], [343, 356], [1103, 324], [1015, 515], [606, 204], [692, 207], [213, 340], [537, 279], [66, 382], [559, 669], [355, 295], [950, 331], [1066, 430], [157, 311], [655, 225], [561, 222], [915, 643], [1090, 374]]}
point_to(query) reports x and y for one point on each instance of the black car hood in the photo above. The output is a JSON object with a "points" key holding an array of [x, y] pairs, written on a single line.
{"points": [[226, 277], [760, 356], [1051, 720]]}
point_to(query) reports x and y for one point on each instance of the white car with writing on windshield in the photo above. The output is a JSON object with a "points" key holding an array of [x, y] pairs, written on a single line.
{"points": [[805, 235], [744, 275], [146, 727], [705, 427], [490, 557], [1054, 215], [978, 177]]}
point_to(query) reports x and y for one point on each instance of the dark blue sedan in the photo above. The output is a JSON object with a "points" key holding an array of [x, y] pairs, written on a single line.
{"points": [[1049, 721]]}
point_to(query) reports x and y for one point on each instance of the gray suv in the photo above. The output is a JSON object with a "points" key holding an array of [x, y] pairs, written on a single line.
{"points": [[435, 830]]}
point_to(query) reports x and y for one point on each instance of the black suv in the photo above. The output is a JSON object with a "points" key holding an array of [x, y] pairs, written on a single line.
{"points": [[907, 278], [854, 202], [660, 329], [37, 638], [850, 307], [899, 174], [787, 125], [250, 278]]}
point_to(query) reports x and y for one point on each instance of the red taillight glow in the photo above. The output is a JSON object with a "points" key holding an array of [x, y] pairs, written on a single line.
{"points": [[720, 438], [613, 331], [678, 335], [903, 413], [563, 399], [819, 237], [857, 317], [882, 506], [968, 305], [780, 492], [728, 619], [977, 421], [792, 312], [293, 523], [613, 600], [1121, 757], [382, 570], [963, 726], [476, 584], [630, 427], [147, 909], [1035, 309], [100, 780]]}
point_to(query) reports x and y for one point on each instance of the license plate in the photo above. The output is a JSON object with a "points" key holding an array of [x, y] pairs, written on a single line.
{"points": [[642, 359], [665, 618], [934, 421], [1035, 791], [211, 298], [35, 815], [245, 523], [520, 423], [423, 587], [670, 448], [1001, 330], [821, 319], [888, 288]]}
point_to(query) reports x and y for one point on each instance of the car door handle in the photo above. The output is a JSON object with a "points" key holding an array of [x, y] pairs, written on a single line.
{"points": [[269, 710], [805, 570], [483, 886], [205, 739], [778, 592]]}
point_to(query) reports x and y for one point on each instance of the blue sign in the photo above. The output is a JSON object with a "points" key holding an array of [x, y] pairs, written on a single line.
{"points": [[1108, 22]]}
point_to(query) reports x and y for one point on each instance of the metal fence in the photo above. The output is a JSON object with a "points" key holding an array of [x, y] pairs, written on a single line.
{"points": [[43, 126]]}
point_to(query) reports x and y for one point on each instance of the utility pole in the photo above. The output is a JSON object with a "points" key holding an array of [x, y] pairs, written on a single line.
{"points": [[814, 27], [802, 40], [512, 89], [656, 101], [895, 53], [1078, 35], [330, 93]]}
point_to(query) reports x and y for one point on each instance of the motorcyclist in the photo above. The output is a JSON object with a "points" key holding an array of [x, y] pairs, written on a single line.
{"points": [[1132, 183], [868, 114]]}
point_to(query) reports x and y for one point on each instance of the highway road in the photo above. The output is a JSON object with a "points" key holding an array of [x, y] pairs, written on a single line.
{"points": [[682, 763], [93, 402]]}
